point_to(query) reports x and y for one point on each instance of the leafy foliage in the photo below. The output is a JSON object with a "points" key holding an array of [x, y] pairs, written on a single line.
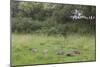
{"points": [[50, 18]]}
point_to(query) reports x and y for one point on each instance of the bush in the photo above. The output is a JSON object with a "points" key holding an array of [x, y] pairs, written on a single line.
{"points": [[50, 27], [25, 25]]}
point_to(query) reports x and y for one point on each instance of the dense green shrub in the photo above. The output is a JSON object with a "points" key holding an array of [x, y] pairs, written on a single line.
{"points": [[25, 25], [47, 18]]}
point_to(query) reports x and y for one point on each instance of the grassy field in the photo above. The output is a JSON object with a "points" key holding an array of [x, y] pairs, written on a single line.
{"points": [[22, 43]]}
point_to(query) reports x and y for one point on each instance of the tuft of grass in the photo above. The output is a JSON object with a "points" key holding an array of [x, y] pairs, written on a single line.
{"points": [[21, 55]]}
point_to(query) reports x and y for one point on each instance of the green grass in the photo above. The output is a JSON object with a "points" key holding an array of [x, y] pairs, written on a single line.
{"points": [[21, 55]]}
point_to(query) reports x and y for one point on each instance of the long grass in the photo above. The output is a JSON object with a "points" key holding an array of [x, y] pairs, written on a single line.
{"points": [[21, 43]]}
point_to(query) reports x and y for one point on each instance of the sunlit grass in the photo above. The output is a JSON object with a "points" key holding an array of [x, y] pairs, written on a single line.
{"points": [[21, 55]]}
